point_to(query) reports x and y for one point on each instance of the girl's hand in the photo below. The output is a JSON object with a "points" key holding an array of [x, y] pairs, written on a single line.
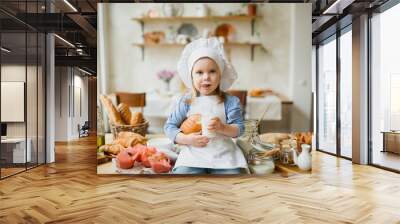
{"points": [[215, 125], [197, 140]]}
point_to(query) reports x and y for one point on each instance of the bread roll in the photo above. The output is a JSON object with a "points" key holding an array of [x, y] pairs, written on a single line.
{"points": [[113, 149], [128, 139], [114, 116], [125, 113], [192, 124], [137, 118], [256, 92]]}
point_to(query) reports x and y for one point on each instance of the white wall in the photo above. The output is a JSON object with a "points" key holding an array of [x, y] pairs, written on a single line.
{"points": [[300, 69], [285, 66], [33, 127], [67, 113], [17, 73], [61, 103]]}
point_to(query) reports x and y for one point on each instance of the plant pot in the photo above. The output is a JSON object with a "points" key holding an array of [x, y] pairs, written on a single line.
{"points": [[251, 9]]}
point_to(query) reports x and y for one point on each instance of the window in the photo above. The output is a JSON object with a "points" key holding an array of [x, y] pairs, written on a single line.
{"points": [[385, 89], [394, 102], [327, 96], [346, 93], [22, 69]]}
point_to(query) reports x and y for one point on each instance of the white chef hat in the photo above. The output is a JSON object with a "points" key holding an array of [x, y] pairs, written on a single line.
{"points": [[206, 47]]}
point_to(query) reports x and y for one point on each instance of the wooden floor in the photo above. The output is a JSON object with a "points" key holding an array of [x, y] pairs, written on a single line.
{"points": [[10, 171], [70, 191]]}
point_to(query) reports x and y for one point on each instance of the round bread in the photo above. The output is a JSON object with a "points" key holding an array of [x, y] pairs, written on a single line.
{"points": [[192, 124]]}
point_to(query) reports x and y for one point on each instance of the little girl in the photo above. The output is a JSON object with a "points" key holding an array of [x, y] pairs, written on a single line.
{"points": [[204, 68]]}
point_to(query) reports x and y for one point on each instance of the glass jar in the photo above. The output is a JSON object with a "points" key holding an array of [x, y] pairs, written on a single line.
{"points": [[287, 155], [264, 166]]}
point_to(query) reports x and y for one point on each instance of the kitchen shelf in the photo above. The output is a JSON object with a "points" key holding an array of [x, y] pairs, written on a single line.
{"points": [[232, 44], [180, 18], [143, 20]]}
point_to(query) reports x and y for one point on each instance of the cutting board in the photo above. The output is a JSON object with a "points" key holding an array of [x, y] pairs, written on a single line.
{"points": [[289, 170]]}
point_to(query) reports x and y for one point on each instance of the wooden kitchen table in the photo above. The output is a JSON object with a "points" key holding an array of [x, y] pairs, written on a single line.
{"points": [[284, 170]]}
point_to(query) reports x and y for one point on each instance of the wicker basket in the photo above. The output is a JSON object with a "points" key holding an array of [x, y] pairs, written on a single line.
{"points": [[139, 129]]}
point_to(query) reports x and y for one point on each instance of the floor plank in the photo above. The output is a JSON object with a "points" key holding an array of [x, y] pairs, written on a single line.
{"points": [[70, 191]]}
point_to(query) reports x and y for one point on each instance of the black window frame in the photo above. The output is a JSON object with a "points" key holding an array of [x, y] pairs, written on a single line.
{"points": [[347, 27]]}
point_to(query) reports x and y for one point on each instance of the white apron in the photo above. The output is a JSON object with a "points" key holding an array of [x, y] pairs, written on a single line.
{"points": [[221, 152]]}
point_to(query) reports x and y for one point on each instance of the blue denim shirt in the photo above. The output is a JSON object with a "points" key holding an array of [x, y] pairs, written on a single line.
{"points": [[233, 113]]}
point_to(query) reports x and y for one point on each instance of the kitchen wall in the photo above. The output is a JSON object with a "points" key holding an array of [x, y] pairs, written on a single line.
{"points": [[71, 102], [284, 65]]}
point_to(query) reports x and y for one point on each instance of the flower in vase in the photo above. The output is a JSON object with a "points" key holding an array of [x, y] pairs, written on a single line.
{"points": [[166, 76]]}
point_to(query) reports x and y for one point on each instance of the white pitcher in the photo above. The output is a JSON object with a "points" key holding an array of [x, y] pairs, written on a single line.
{"points": [[202, 10], [303, 161]]}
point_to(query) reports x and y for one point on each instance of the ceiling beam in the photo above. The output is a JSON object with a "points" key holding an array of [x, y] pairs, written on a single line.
{"points": [[337, 7], [85, 61], [84, 24]]}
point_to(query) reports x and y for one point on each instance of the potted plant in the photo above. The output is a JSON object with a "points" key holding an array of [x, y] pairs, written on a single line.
{"points": [[251, 9]]}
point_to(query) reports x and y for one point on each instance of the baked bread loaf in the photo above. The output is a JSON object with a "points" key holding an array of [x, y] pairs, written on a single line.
{"points": [[129, 139], [114, 116], [136, 118], [125, 113], [192, 124], [256, 92], [112, 149]]}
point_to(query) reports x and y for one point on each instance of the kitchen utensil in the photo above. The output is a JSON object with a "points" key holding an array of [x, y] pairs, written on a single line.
{"points": [[188, 29]]}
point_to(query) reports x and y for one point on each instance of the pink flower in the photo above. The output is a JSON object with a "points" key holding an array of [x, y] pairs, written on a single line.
{"points": [[166, 75]]}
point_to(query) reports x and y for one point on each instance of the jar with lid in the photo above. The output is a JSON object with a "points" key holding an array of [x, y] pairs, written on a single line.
{"points": [[287, 155]]}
